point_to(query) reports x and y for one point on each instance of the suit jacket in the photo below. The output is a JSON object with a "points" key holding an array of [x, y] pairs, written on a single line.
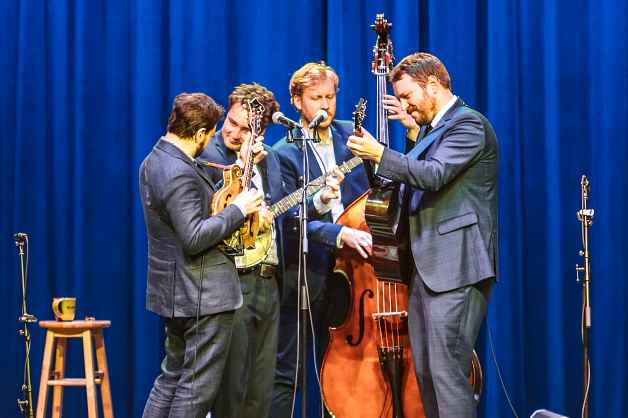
{"points": [[453, 233], [322, 231], [274, 189], [186, 269]]}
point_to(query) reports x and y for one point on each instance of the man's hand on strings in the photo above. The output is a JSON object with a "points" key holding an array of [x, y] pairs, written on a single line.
{"points": [[361, 241], [265, 218], [331, 190], [249, 201], [259, 153], [366, 147]]}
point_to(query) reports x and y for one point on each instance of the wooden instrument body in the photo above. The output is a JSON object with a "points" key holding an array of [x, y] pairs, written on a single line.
{"points": [[253, 256], [387, 221], [368, 369], [236, 180], [232, 186], [352, 379]]}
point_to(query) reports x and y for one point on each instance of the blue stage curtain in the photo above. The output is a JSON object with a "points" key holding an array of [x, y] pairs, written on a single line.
{"points": [[87, 88]]}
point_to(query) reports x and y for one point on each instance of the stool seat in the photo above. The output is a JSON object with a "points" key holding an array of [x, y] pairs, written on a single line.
{"points": [[78, 325], [53, 369]]}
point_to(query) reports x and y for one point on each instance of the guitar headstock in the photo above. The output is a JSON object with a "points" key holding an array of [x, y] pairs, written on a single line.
{"points": [[358, 116], [256, 113], [383, 49]]}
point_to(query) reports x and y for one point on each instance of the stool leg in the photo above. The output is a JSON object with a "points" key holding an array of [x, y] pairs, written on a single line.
{"points": [[105, 387], [45, 375], [90, 386], [57, 392]]}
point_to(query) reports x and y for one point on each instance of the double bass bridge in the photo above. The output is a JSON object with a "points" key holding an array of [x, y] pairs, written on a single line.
{"points": [[383, 315]]}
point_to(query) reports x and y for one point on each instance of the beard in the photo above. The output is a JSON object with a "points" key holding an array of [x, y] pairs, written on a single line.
{"points": [[425, 114]]}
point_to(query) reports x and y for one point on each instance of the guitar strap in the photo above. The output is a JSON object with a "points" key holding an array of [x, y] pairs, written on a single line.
{"points": [[421, 146], [214, 165]]}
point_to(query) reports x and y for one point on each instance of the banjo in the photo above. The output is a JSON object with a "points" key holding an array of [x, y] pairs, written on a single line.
{"points": [[257, 253]]}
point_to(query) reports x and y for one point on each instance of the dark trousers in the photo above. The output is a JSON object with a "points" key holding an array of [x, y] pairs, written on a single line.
{"points": [[443, 329], [247, 384], [196, 353], [328, 308]]}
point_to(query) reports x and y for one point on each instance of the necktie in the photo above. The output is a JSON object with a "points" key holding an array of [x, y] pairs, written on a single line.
{"points": [[428, 129]]}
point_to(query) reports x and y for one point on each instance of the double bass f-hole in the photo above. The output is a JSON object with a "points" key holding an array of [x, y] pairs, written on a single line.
{"points": [[367, 293]]}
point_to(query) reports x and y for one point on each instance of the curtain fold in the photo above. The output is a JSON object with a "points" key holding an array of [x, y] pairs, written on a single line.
{"points": [[87, 88]]}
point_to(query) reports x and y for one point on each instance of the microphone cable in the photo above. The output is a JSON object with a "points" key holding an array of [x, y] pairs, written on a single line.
{"points": [[498, 369]]}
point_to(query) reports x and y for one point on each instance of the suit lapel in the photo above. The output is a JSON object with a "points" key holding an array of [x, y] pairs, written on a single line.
{"points": [[425, 142], [342, 154], [315, 170], [340, 148], [449, 114], [443, 122], [262, 167]]}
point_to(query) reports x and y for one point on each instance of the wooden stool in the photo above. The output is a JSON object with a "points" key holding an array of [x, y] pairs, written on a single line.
{"points": [[59, 332]]}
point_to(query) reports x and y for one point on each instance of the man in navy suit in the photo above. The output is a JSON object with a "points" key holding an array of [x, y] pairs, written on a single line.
{"points": [[313, 87], [191, 284], [246, 389], [450, 180]]}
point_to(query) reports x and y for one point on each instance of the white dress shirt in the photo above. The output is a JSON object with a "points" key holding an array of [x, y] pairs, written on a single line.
{"points": [[443, 110]]}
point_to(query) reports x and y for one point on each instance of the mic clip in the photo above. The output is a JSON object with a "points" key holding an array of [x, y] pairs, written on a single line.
{"points": [[20, 237]]}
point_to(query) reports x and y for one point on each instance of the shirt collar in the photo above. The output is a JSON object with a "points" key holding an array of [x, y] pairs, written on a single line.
{"points": [[328, 140], [443, 110]]}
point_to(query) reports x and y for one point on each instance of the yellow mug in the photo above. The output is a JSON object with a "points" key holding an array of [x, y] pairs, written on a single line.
{"points": [[64, 309]]}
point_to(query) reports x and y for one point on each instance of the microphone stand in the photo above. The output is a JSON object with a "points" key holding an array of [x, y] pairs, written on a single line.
{"points": [[585, 216], [303, 306], [25, 404]]}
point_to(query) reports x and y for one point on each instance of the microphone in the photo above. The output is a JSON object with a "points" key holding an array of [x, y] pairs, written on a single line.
{"points": [[320, 116], [280, 119]]}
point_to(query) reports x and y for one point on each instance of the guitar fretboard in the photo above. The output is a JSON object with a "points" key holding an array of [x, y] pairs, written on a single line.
{"points": [[315, 185]]}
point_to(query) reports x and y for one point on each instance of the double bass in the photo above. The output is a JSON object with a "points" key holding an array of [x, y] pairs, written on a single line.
{"points": [[368, 370]]}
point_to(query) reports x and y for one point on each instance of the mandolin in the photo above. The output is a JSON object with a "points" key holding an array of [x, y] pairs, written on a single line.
{"points": [[236, 180]]}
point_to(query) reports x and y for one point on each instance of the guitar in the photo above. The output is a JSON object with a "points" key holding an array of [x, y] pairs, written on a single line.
{"points": [[236, 180], [259, 252]]}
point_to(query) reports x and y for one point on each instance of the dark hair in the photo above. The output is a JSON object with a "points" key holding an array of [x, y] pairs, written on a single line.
{"points": [[420, 66], [191, 112], [245, 92]]}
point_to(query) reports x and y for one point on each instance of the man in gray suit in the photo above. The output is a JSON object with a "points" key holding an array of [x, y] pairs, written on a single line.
{"points": [[450, 182], [191, 284]]}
